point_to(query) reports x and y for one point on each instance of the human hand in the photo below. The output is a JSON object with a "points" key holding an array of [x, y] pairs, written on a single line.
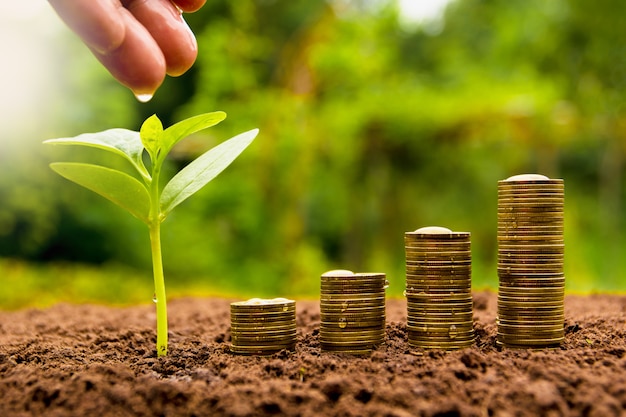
{"points": [[138, 41]]}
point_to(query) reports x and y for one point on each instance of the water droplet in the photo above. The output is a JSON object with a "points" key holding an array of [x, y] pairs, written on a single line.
{"points": [[404, 293], [143, 98], [386, 284], [452, 332], [343, 322], [285, 307], [154, 298], [344, 306]]}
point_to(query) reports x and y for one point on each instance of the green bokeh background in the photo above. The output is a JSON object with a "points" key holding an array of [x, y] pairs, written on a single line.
{"points": [[371, 126]]}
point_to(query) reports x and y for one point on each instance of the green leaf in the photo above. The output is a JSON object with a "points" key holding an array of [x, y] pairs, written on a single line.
{"points": [[119, 187], [203, 169], [173, 134], [150, 133], [124, 142]]}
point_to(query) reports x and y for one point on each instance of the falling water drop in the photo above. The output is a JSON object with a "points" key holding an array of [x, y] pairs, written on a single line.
{"points": [[143, 98], [154, 298]]}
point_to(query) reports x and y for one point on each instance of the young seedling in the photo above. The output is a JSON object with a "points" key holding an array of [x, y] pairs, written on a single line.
{"points": [[142, 195]]}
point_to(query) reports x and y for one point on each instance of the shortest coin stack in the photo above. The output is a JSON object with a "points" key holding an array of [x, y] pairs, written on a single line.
{"points": [[352, 310], [439, 289], [262, 327]]}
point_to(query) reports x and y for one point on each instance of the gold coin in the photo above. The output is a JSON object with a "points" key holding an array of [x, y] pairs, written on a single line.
{"points": [[348, 351], [527, 317], [266, 341], [530, 291], [343, 317], [526, 341], [260, 350], [350, 305], [360, 324], [375, 280], [440, 345], [417, 336], [436, 329], [370, 296], [349, 344], [351, 338], [268, 315]]}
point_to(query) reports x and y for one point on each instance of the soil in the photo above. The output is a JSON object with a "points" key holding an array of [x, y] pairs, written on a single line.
{"points": [[88, 360]]}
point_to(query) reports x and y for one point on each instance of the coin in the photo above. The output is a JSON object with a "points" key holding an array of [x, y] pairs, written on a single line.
{"points": [[261, 349], [530, 291], [376, 317], [241, 341], [349, 347], [259, 304], [428, 344], [351, 305], [509, 340]]}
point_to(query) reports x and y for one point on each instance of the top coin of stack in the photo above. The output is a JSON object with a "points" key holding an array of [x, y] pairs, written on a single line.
{"points": [[352, 311], [530, 261], [262, 327], [438, 288]]}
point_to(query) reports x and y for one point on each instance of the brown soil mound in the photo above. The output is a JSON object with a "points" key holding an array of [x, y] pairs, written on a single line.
{"points": [[100, 361]]}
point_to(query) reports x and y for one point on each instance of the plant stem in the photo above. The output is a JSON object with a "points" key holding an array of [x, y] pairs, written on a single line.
{"points": [[157, 261], [159, 288]]}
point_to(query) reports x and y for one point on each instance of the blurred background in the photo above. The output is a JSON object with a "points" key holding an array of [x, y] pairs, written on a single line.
{"points": [[377, 117]]}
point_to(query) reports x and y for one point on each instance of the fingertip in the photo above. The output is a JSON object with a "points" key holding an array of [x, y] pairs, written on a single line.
{"points": [[138, 62], [180, 61], [170, 31]]}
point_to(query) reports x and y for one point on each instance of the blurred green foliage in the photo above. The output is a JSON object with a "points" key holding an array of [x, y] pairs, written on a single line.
{"points": [[369, 128]]}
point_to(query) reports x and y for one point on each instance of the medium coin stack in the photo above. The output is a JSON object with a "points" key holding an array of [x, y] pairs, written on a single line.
{"points": [[530, 262], [262, 327], [438, 289], [352, 310]]}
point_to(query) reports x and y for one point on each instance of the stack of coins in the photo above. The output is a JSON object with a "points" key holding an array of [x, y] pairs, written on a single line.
{"points": [[530, 262], [352, 310], [262, 327], [438, 289]]}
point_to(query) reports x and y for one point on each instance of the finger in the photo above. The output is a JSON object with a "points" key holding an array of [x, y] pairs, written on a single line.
{"points": [[138, 62], [189, 6], [97, 23], [168, 28]]}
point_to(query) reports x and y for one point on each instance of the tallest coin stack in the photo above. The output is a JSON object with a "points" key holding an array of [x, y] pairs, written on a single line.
{"points": [[530, 262]]}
